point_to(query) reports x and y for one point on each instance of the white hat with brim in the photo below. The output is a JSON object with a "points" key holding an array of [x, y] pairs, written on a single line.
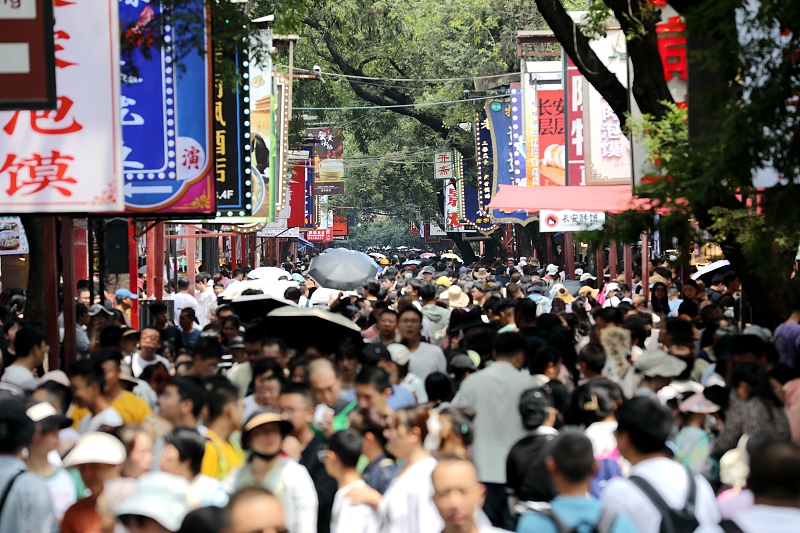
{"points": [[456, 297], [552, 270], [159, 496], [400, 353], [96, 447], [658, 363]]}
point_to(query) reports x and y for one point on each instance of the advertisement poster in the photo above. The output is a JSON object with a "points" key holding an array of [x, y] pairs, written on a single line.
{"points": [[13, 240], [500, 126], [328, 164], [261, 133], [552, 152]]}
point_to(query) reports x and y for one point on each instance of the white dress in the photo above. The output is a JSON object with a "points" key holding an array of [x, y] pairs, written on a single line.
{"points": [[407, 506]]}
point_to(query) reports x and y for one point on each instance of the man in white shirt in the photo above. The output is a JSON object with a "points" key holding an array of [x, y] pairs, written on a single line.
{"points": [[87, 381], [426, 358], [774, 479], [340, 459], [30, 345], [494, 393], [149, 342], [182, 299], [206, 299], [458, 496], [643, 427]]}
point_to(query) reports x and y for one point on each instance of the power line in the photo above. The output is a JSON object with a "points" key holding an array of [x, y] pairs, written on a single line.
{"points": [[424, 80], [421, 104]]}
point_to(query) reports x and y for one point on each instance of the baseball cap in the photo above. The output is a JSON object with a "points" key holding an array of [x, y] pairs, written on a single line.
{"points": [[47, 417], [159, 496], [429, 270], [400, 354], [552, 270], [375, 352], [461, 362], [586, 275], [236, 342], [15, 425], [539, 286], [125, 293], [96, 309], [96, 447], [654, 363]]}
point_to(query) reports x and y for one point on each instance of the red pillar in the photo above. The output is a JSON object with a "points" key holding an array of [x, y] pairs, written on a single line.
{"points": [[569, 255], [68, 277], [158, 260], [601, 280], [612, 260], [233, 253], [645, 266], [628, 258], [133, 269]]}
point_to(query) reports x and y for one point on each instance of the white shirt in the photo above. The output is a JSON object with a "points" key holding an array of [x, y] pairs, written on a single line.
{"points": [[494, 394], [107, 417], [182, 300], [18, 375], [427, 359], [138, 363], [417, 386], [205, 301], [205, 491], [407, 506], [63, 490], [671, 481], [347, 517], [762, 518]]}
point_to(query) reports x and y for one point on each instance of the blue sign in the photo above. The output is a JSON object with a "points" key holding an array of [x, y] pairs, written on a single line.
{"points": [[186, 186], [501, 129]]}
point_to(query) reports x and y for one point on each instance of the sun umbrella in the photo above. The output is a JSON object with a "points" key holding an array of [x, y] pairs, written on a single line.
{"points": [[709, 271], [342, 269], [253, 306], [315, 326], [450, 256], [268, 273], [271, 287], [572, 286], [376, 255], [412, 262], [426, 255]]}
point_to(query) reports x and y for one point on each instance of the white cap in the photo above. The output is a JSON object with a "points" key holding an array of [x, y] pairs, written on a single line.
{"points": [[159, 496], [96, 447], [579, 272], [585, 276], [400, 353], [552, 270], [653, 363]]}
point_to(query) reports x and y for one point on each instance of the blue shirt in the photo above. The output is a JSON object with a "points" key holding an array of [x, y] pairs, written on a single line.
{"points": [[401, 397], [576, 512], [380, 473]]}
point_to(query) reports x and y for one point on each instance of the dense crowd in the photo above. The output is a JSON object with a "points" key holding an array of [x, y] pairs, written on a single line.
{"points": [[492, 397]]}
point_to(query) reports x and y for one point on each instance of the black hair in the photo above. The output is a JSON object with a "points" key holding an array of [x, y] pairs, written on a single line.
{"points": [[90, 371], [462, 420], [183, 284], [253, 334], [509, 344], [346, 444], [410, 309], [427, 292], [534, 407], [300, 390], [439, 388], [110, 336], [189, 390], [375, 377], [659, 305], [637, 325], [775, 471], [537, 362], [646, 422], [372, 285], [223, 307], [209, 519], [292, 293], [729, 277], [80, 309], [369, 421], [109, 354], [190, 313], [593, 355], [28, 337], [573, 456], [8, 324], [59, 393], [681, 331], [157, 307], [609, 315], [744, 344], [757, 380], [233, 319], [594, 401], [221, 394], [207, 348], [190, 444]]}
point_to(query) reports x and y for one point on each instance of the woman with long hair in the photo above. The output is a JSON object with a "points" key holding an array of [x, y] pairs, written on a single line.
{"points": [[659, 302]]}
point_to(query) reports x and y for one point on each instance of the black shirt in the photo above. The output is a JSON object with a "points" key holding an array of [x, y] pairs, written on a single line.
{"points": [[172, 336], [326, 486]]}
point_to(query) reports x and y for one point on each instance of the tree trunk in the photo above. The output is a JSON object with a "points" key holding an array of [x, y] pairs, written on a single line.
{"points": [[35, 295]]}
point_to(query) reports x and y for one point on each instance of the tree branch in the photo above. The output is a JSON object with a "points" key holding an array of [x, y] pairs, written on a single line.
{"points": [[576, 44]]}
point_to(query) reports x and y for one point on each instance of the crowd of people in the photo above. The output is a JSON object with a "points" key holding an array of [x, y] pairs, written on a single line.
{"points": [[483, 398]]}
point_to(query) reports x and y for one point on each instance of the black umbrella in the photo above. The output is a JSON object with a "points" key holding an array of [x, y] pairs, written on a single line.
{"points": [[342, 269], [707, 273], [315, 326], [253, 306]]}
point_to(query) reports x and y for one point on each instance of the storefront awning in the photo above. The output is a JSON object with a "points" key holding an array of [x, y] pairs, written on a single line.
{"points": [[303, 242], [599, 198]]}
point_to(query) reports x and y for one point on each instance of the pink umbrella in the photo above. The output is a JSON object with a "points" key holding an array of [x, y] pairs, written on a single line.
{"points": [[427, 255]]}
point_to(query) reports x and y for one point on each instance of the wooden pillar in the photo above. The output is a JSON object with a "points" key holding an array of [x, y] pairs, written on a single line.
{"points": [[158, 259], [612, 260], [233, 253], [569, 255], [600, 264], [548, 238], [68, 297], [51, 290], [253, 248], [133, 269], [645, 266], [628, 258]]}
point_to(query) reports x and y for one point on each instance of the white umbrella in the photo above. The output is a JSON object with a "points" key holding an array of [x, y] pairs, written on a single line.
{"points": [[268, 273], [377, 255], [274, 288], [716, 265]]}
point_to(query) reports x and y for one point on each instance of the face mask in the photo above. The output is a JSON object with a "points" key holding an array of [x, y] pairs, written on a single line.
{"points": [[409, 275], [264, 456]]}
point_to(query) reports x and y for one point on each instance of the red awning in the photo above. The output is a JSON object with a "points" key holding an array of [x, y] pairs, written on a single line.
{"points": [[599, 198]]}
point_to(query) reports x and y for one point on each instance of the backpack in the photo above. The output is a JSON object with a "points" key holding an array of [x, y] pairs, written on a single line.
{"points": [[729, 526], [607, 469], [672, 520], [603, 525]]}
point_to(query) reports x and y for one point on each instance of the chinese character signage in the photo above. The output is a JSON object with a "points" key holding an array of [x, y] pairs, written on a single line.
{"points": [[451, 216], [341, 225], [296, 203], [607, 149], [552, 152], [443, 165], [27, 56], [328, 165], [68, 159], [13, 240], [319, 235], [566, 221], [232, 173], [576, 163]]}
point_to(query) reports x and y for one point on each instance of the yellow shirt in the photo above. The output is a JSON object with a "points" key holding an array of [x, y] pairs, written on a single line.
{"points": [[131, 408], [220, 458]]}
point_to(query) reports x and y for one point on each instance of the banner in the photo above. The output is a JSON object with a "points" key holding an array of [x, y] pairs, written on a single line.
{"points": [[231, 170], [552, 152], [328, 164], [451, 215], [341, 225], [443, 165], [567, 221], [68, 160], [261, 135], [319, 235], [298, 161], [576, 162], [13, 240]]}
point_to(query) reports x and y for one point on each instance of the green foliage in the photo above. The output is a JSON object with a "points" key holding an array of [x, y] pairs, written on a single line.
{"points": [[386, 232], [595, 24]]}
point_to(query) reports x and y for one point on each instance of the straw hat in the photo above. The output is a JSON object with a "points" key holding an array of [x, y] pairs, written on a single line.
{"points": [[456, 297]]}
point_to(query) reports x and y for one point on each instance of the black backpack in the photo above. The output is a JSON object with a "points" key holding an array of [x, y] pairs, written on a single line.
{"points": [[672, 520], [729, 526], [603, 525]]}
